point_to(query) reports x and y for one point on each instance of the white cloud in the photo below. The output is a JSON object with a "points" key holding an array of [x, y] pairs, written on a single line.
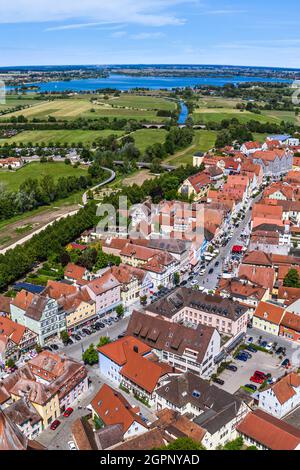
{"points": [[142, 36], [90, 13]]}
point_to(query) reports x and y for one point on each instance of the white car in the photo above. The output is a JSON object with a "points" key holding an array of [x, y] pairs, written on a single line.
{"points": [[72, 446], [194, 283], [269, 346], [202, 272]]}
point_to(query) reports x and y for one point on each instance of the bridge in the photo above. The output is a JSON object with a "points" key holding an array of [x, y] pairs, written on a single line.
{"points": [[147, 165]]}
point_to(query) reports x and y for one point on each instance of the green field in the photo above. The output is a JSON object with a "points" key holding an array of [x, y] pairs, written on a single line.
{"points": [[60, 136], [203, 141], [13, 179], [145, 137], [11, 101], [127, 106]]}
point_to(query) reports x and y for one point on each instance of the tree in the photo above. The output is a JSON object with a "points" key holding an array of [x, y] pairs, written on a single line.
{"points": [[64, 336], [103, 340], [10, 363], [184, 443], [90, 356], [292, 279], [143, 299], [237, 444], [176, 279], [120, 311]]}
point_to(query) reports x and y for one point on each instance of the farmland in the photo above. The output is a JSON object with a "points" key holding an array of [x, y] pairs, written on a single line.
{"points": [[59, 136], [13, 179], [126, 106], [145, 137]]}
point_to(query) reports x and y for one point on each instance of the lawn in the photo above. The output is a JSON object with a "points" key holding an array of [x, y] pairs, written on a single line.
{"points": [[206, 115], [59, 136], [13, 179], [142, 102], [203, 141], [11, 101], [145, 137]]}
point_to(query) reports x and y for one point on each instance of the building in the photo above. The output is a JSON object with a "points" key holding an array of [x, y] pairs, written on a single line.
{"points": [[246, 294], [130, 364], [135, 282], [281, 398], [248, 148], [50, 382], [267, 317], [109, 408], [268, 433], [38, 313], [78, 275], [11, 438], [184, 348], [23, 414], [196, 186], [79, 309], [106, 292], [211, 408], [187, 305], [275, 163], [290, 326], [14, 340]]}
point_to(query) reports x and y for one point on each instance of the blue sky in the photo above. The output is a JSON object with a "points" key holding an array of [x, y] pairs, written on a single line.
{"points": [[58, 32]]}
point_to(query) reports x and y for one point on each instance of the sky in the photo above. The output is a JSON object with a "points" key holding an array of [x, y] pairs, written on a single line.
{"points": [[69, 32]]}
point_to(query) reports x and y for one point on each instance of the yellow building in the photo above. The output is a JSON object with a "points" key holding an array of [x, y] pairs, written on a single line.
{"points": [[79, 309], [267, 318], [196, 186]]}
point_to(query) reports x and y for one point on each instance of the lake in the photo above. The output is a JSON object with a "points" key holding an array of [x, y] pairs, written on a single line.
{"points": [[127, 82]]}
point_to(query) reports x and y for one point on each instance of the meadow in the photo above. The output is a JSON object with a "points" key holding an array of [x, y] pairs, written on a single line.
{"points": [[145, 137], [13, 179]]}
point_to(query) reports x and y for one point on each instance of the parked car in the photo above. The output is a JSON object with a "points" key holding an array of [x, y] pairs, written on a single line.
{"points": [[116, 319], [55, 425], [210, 271], [54, 346], [97, 327], [194, 283], [218, 381], [68, 412], [286, 363], [217, 264], [184, 283], [250, 340], [252, 387], [76, 337], [86, 331], [279, 351], [231, 367], [263, 344], [72, 446], [247, 353], [242, 357], [251, 348], [257, 379], [269, 346], [102, 325]]}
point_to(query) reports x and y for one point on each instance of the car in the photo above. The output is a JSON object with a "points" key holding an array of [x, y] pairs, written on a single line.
{"points": [[116, 319], [269, 346], [97, 327], [55, 425], [252, 387], [242, 357], [86, 331], [251, 348], [263, 344], [202, 272], [76, 337], [68, 412], [93, 329], [102, 325], [246, 353], [280, 350], [72, 446], [217, 263], [218, 381], [210, 271], [231, 367], [184, 283], [82, 334], [69, 342], [250, 340], [47, 348], [194, 283], [286, 363], [54, 346], [257, 379]]}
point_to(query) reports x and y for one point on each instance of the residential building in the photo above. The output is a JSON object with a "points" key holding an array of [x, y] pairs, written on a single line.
{"points": [[267, 317], [78, 275], [281, 398], [135, 282], [109, 408], [24, 415], [268, 433], [275, 163], [15, 339], [106, 292], [214, 410], [184, 348], [196, 186]]}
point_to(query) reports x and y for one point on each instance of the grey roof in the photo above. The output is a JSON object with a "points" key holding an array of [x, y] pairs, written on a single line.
{"points": [[212, 420], [190, 388], [172, 246], [36, 308], [22, 411], [185, 297], [166, 336]]}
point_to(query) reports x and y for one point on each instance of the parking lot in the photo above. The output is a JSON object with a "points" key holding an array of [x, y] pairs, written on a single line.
{"points": [[261, 361]]}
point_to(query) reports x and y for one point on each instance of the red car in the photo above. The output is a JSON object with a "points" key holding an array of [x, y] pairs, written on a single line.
{"points": [[55, 425], [256, 379], [68, 412]]}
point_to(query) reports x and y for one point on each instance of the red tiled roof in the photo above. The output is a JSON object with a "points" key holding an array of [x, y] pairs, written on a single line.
{"points": [[269, 312], [117, 350], [269, 431], [74, 271]]}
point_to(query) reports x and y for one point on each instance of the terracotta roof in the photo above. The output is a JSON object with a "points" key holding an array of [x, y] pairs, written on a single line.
{"points": [[199, 181], [117, 350], [112, 407], [259, 275], [172, 421], [284, 389], [103, 284], [288, 294], [153, 439], [269, 312], [291, 320], [125, 273], [5, 304], [269, 155], [11, 329], [23, 299], [258, 258], [284, 270], [252, 145], [236, 288], [81, 436], [269, 431], [56, 290], [140, 252], [74, 271], [11, 438]]}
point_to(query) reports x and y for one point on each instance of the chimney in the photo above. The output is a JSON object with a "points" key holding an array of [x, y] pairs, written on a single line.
{"points": [[136, 349]]}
